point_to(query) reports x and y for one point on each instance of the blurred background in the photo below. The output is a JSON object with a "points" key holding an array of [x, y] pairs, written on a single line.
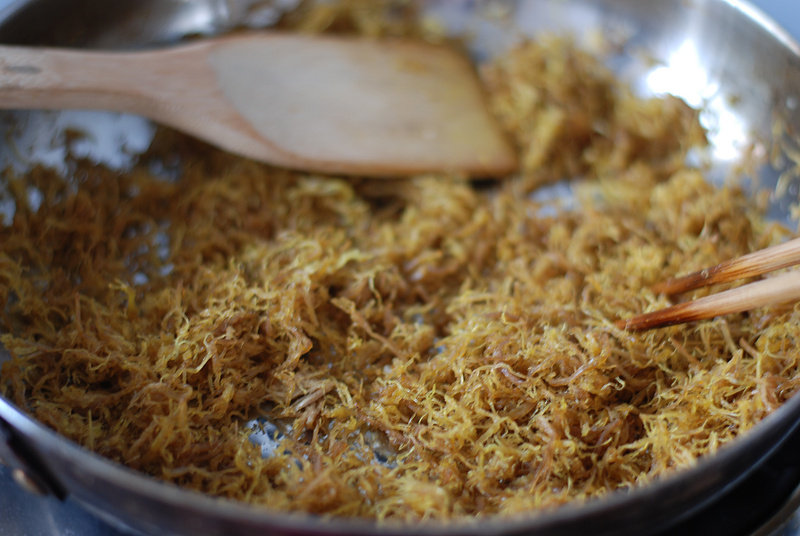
{"points": [[786, 12]]}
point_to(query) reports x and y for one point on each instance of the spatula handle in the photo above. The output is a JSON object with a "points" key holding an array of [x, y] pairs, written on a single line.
{"points": [[58, 79], [174, 86]]}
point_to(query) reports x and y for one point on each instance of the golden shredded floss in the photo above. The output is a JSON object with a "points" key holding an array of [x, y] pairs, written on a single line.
{"points": [[426, 348]]}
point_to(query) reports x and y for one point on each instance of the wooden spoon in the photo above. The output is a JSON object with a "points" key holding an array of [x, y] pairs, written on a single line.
{"points": [[325, 104]]}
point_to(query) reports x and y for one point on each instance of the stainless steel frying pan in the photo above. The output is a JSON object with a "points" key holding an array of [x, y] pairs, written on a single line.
{"points": [[719, 54]]}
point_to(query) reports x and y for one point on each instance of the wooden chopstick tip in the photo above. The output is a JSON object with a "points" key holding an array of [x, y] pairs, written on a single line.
{"points": [[770, 291], [621, 324], [680, 313], [679, 285]]}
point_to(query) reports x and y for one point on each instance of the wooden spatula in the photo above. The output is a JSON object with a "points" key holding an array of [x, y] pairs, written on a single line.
{"points": [[325, 104]]}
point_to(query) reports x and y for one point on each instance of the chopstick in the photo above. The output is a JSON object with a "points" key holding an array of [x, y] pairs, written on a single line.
{"points": [[756, 263], [774, 290]]}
